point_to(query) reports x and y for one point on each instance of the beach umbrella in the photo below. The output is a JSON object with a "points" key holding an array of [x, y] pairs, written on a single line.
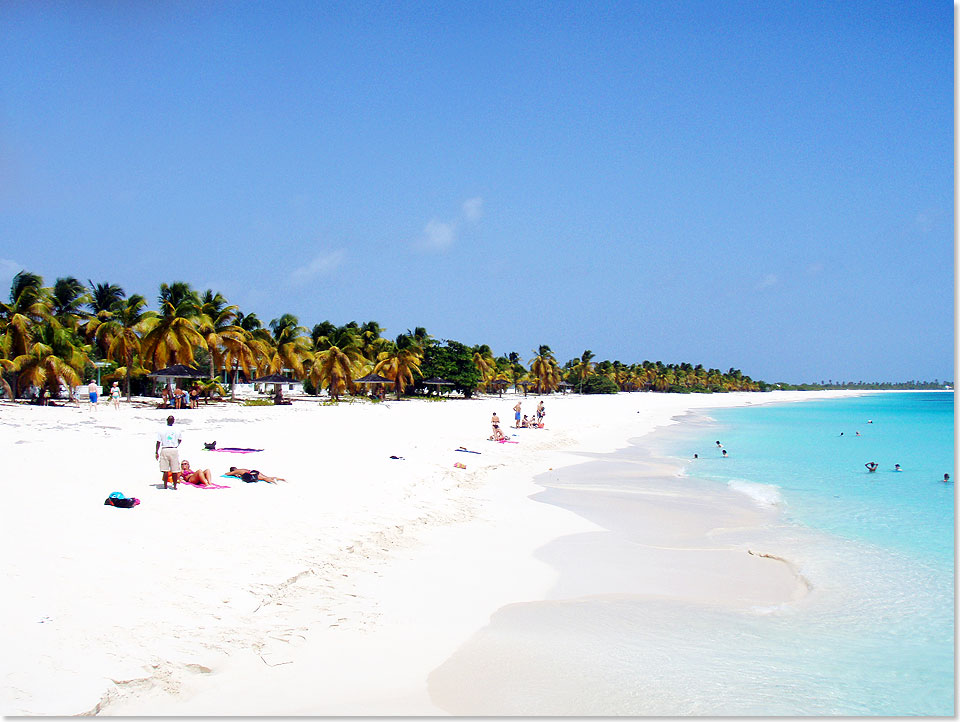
{"points": [[499, 385], [177, 371], [273, 379], [437, 383], [525, 384], [276, 379], [373, 379], [564, 385]]}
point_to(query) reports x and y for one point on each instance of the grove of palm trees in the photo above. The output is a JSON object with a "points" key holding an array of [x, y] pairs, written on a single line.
{"points": [[52, 336]]}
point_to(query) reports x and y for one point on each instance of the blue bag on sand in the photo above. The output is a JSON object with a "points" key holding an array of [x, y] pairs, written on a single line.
{"points": [[118, 499]]}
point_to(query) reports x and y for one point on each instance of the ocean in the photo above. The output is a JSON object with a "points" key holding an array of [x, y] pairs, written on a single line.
{"points": [[874, 637]]}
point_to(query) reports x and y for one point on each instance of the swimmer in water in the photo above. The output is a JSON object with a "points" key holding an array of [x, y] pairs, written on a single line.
{"points": [[724, 453], [872, 466], [695, 456], [946, 478], [896, 467]]}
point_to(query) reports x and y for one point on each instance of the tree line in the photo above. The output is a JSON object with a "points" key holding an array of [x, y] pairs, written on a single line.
{"points": [[53, 335]]}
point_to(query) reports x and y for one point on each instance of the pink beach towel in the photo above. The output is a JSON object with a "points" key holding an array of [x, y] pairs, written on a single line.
{"points": [[201, 486]]}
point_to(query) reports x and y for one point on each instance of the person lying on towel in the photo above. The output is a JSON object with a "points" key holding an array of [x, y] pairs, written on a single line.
{"points": [[252, 475]]}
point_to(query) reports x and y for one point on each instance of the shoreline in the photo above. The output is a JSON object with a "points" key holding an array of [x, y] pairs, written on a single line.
{"points": [[363, 572]]}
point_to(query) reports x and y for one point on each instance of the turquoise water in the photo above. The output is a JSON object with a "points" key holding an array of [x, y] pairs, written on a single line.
{"points": [[820, 476], [898, 595], [874, 637]]}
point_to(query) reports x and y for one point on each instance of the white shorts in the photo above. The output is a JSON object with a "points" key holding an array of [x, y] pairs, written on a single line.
{"points": [[169, 459]]}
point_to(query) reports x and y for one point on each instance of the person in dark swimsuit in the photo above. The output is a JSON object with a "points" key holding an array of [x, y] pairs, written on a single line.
{"points": [[252, 475]]}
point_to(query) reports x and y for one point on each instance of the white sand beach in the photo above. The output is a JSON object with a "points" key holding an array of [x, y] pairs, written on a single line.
{"points": [[335, 593]]}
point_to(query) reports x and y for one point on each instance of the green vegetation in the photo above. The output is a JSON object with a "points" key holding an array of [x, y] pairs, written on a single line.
{"points": [[53, 335]]}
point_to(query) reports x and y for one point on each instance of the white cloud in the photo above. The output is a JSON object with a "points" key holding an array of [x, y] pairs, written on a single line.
{"points": [[473, 209], [768, 281], [321, 264], [439, 236]]}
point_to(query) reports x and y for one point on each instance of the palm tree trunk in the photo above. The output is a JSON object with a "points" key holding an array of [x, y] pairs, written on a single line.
{"points": [[128, 374]]}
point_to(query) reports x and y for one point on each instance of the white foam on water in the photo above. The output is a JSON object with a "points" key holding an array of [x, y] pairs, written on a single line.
{"points": [[767, 495]]}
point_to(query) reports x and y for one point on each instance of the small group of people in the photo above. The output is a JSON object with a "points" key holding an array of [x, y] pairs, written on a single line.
{"points": [[528, 423], [174, 470], [179, 399], [872, 466]]}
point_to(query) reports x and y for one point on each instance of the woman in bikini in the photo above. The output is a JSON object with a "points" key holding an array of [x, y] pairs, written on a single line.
{"points": [[252, 475], [199, 477]]}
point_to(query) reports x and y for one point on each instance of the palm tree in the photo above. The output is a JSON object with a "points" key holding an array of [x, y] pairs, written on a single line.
{"points": [[216, 324], [29, 307], [336, 358], [485, 363], [174, 337], [545, 371], [584, 367], [400, 362], [68, 298], [290, 347], [128, 324], [516, 369], [371, 340], [54, 355], [102, 296]]}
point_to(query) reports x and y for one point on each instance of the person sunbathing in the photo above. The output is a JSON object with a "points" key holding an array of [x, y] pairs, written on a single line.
{"points": [[252, 475], [497, 433], [199, 477]]}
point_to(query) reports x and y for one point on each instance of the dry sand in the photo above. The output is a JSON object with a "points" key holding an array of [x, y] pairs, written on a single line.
{"points": [[336, 593]]}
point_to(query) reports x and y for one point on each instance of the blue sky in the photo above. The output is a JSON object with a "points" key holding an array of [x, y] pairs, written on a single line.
{"points": [[763, 185]]}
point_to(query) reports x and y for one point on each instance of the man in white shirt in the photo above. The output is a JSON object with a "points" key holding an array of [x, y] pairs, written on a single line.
{"points": [[168, 443]]}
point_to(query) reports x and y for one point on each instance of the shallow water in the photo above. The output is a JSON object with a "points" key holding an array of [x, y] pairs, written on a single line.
{"points": [[874, 636]]}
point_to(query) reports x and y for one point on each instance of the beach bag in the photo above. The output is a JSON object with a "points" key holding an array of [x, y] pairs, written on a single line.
{"points": [[211, 446], [118, 499]]}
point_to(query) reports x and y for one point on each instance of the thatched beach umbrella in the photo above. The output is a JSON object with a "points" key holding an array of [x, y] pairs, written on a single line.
{"points": [[169, 375], [437, 383], [499, 385], [177, 371], [275, 379], [373, 378]]}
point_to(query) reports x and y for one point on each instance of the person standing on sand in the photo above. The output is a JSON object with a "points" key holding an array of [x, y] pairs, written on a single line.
{"points": [[115, 395], [540, 413], [93, 390], [168, 443], [516, 415], [495, 420]]}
